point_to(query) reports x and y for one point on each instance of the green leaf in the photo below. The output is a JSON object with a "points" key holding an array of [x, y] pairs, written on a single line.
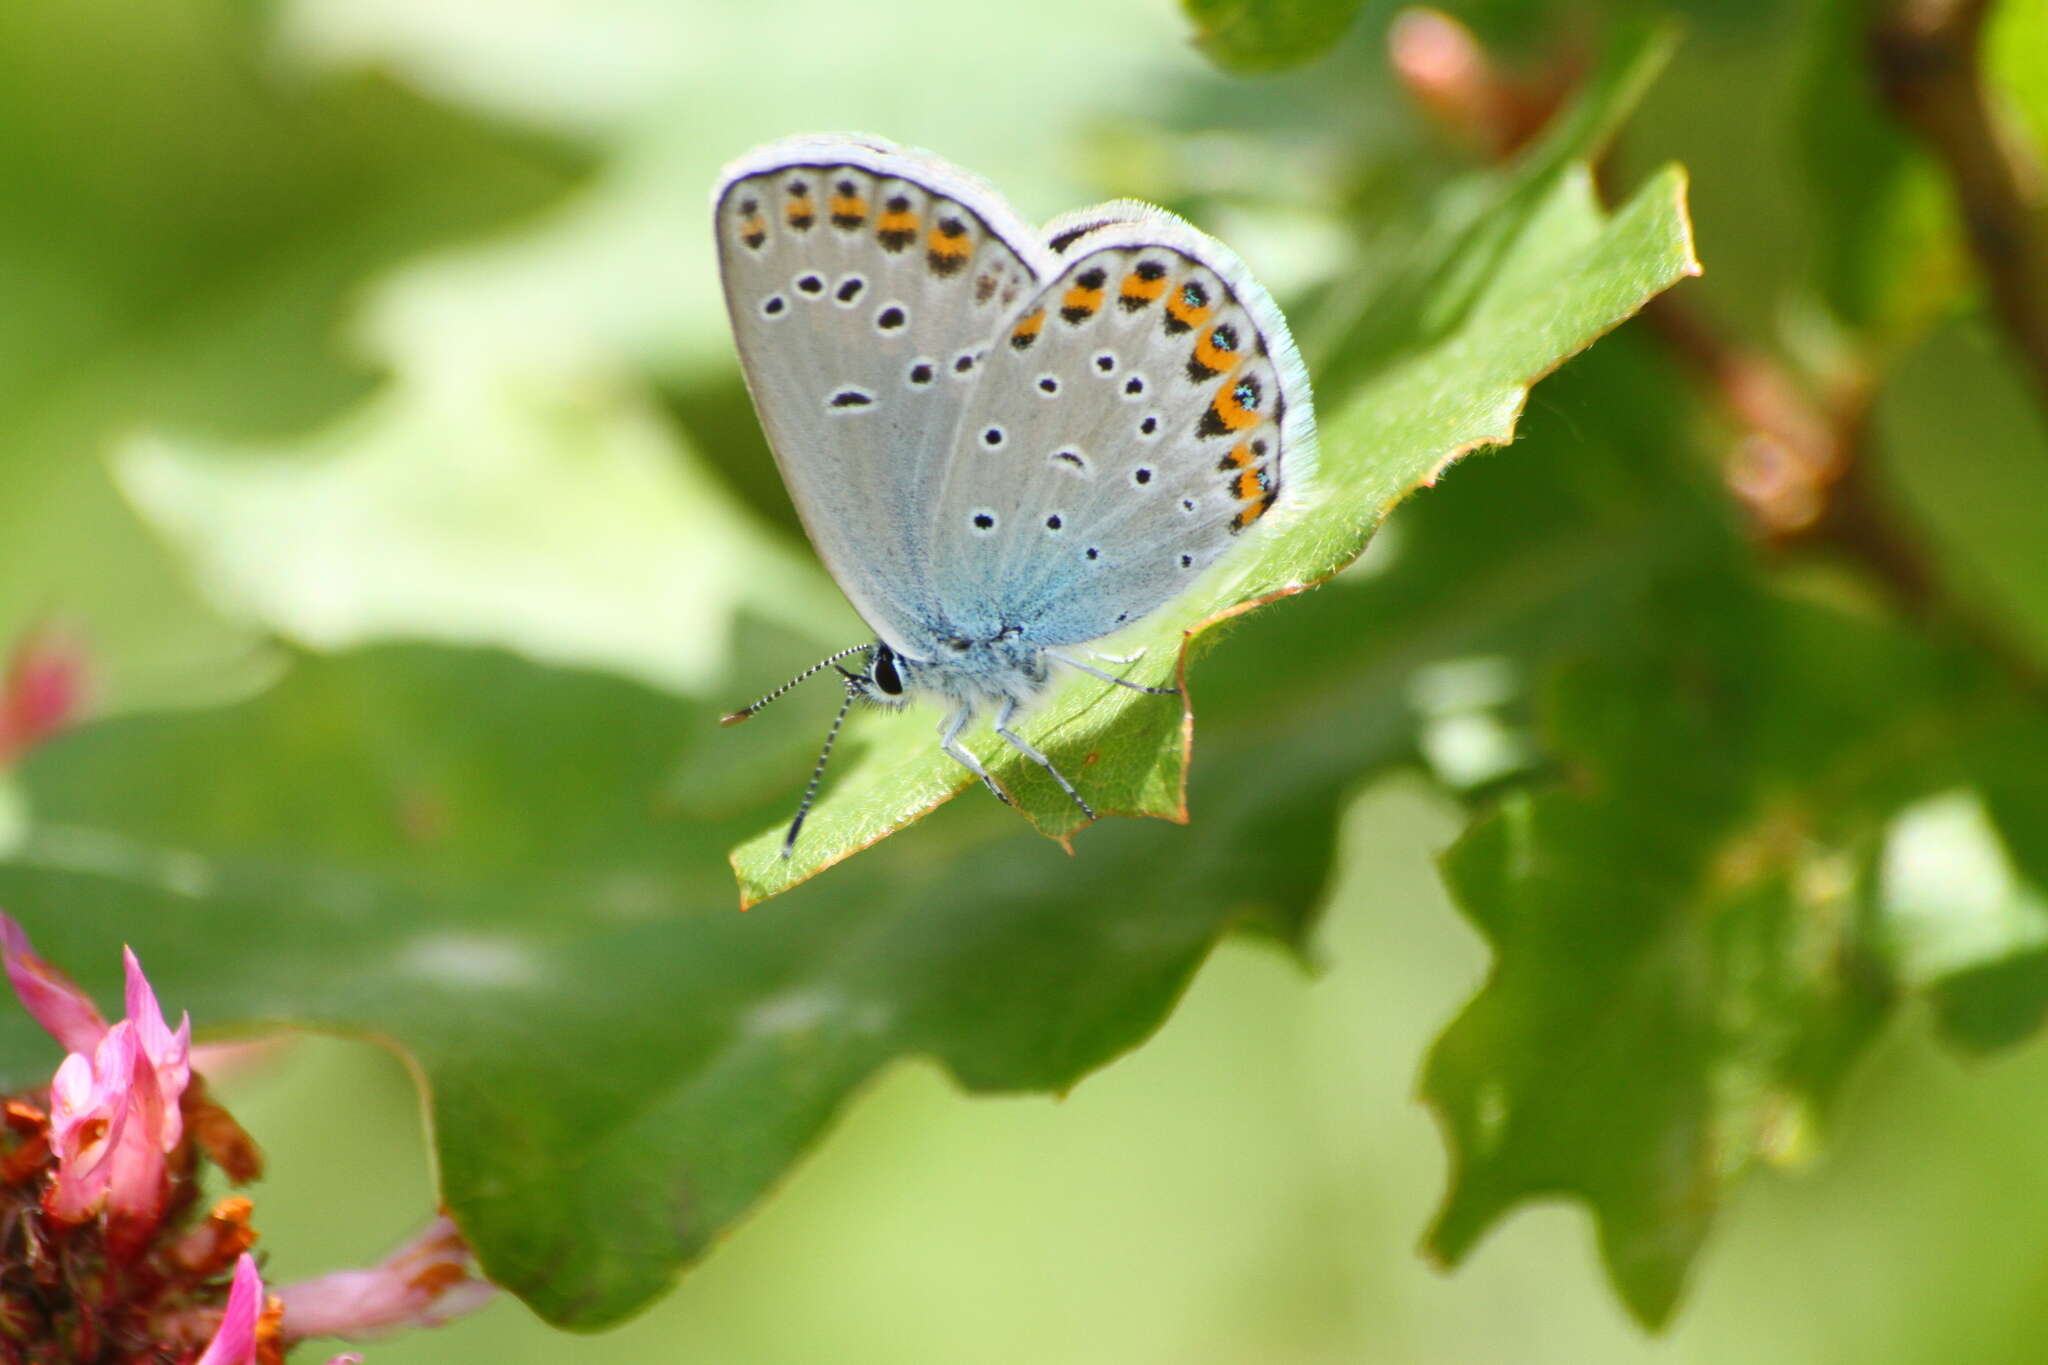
{"points": [[1129, 753], [1269, 35], [516, 875], [1966, 889], [494, 867], [1691, 942]]}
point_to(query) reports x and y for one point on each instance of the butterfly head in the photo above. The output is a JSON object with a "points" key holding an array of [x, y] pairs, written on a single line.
{"points": [[880, 682]]}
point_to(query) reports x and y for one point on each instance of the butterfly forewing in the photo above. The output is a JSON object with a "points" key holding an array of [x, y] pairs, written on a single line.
{"points": [[1139, 415], [865, 286]]}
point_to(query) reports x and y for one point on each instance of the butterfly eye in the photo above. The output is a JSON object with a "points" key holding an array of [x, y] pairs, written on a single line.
{"points": [[885, 675]]}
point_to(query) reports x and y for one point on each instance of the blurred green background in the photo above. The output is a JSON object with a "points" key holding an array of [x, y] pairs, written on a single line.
{"points": [[334, 322]]}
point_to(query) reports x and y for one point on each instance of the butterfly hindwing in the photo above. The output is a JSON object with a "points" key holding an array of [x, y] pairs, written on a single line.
{"points": [[1139, 414], [864, 285]]}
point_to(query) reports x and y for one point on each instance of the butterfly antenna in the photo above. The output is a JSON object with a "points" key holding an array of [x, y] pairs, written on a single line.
{"points": [[817, 773], [746, 712]]}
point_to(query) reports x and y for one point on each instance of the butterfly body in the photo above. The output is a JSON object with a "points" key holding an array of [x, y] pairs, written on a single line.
{"points": [[1004, 443]]}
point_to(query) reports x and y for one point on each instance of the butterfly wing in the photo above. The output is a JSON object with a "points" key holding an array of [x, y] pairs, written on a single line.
{"points": [[1143, 411], [864, 284]]}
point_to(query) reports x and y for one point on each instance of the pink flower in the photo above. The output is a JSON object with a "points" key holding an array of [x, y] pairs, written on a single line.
{"points": [[426, 1282], [89, 1115], [69, 1015], [108, 1123], [115, 1113]]}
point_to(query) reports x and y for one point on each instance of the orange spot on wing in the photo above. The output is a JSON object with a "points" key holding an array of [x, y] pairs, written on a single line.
{"points": [[1178, 308], [896, 229], [801, 213], [1234, 415], [1138, 289], [1250, 484], [1027, 331], [1078, 303], [1213, 358], [947, 246], [1240, 455], [849, 210]]}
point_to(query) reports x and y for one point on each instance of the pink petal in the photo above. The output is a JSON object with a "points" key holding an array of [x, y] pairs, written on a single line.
{"points": [[428, 1281], [74, 1095], [235, 1342], [51, 997], [170, 1054], [136, 1187]]}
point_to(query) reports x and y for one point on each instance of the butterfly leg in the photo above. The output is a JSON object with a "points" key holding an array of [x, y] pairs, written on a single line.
{"points": [[949, 740], [1120, 682], [1017, 743]]}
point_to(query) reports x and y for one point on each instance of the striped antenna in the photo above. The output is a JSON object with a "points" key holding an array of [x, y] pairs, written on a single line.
{"points": [[746, 712], [818, 773]]}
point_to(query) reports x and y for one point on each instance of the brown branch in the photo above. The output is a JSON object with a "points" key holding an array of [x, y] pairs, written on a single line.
{"points": [[1929, 64], [1805, 472], [1794, 448]]}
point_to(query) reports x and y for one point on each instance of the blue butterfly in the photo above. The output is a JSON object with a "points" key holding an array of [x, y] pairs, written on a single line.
{"points": [[1004, 443]]}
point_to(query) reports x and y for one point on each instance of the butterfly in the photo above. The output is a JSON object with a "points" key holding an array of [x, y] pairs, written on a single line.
{"points": [[1005, 443]]}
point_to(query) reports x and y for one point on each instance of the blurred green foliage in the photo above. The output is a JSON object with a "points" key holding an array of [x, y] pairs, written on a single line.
{"points": [[369, 387], [1262, 35]]}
